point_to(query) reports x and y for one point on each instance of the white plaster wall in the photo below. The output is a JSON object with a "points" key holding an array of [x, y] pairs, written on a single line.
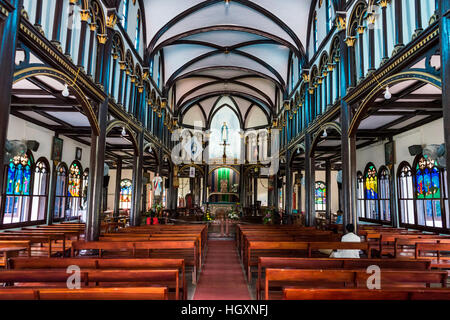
{"points": [[19, 129], [431, 133]]}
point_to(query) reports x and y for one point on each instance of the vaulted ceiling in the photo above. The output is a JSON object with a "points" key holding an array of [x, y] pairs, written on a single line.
{"points": [[238, 48]]}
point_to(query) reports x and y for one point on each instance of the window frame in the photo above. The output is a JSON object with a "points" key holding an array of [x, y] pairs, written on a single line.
{"points": [[324, 197], [365, 201], [120, 195], [443, 200], [22, 196]]}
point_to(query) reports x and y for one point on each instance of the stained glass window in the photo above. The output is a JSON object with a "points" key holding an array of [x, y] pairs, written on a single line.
{"points": [[320, 200], [371, 192], [40, 190], [125, 14], [74, 189], [360, 193], [18, 189], [61, 191], [384, 190], [316, 40], [125, 194], [138, 31], [428, 192], [84, 189]]}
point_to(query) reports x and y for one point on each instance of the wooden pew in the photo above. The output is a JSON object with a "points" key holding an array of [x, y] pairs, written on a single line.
{"points": [[33, 238], [186, 250], [332, 263], [157, 237], [365, 294], [109, 278], [436, 249], [139, 293], [294, 249], [14, 244], [350, 278], [102, 264]]}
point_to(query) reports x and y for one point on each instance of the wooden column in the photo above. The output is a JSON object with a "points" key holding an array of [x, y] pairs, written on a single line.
{"points": [[56, 32], [288, 196], [398, 26], [418, 13], [205, 184], [444, 26], [117, 189], [385, 36], [371, 43], [51, 194], [96, 171], [309, 182], [69, 27], [255, 190], [345, 120], [328, 190], [38, 16], [82, 45], [135, 211], [9, 26], [299, 193], [361, 51]]}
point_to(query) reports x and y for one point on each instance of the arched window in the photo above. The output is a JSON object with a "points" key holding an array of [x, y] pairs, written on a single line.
{"points": [[320, 199], [84, 189], [125, 14], [329, 15], [371, 192], [316, 40], [428, 192], [385, 196], [74, 189], [227, 115], [61, 191], [138, 31], [405, 193], [125, 194], [40, 190], [18, 189], [360, 194]]}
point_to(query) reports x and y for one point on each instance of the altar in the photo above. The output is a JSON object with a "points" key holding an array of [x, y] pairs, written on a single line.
{"points": [[216, 202]]}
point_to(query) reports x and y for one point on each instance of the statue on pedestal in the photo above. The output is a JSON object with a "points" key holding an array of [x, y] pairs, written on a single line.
{"points": [[157, 188]]}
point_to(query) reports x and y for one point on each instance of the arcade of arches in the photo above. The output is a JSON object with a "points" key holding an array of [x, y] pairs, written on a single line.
{"points": [[215, 113]]}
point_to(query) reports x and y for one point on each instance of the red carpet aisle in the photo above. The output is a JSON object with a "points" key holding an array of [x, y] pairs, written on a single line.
{"points": [[222, 277]]}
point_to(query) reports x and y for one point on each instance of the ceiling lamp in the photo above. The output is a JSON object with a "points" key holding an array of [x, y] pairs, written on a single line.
{"points": [[387, 94], [227, 3], [124, 132], [325, 134], [65, 93]]}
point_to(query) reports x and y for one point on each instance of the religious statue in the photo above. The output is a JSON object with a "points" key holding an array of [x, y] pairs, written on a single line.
{"points": [[223, 186], [157, 187]]}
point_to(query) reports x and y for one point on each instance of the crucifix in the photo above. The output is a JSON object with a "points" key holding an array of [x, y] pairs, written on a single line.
{"points": [[224, 134]]}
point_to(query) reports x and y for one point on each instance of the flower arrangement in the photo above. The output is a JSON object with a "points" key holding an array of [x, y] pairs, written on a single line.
{"points": [[233, 215], [268, 217], [207, 216]]}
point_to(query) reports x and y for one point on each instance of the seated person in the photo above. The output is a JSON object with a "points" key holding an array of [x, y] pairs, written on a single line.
{"points": [[339, 214], [349, 237]]}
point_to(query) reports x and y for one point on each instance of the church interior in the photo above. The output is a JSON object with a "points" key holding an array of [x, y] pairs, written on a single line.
{"points": [[224, 149]]}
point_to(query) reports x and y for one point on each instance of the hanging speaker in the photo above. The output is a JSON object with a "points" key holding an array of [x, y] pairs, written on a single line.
{"points": [[414, 150]]}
